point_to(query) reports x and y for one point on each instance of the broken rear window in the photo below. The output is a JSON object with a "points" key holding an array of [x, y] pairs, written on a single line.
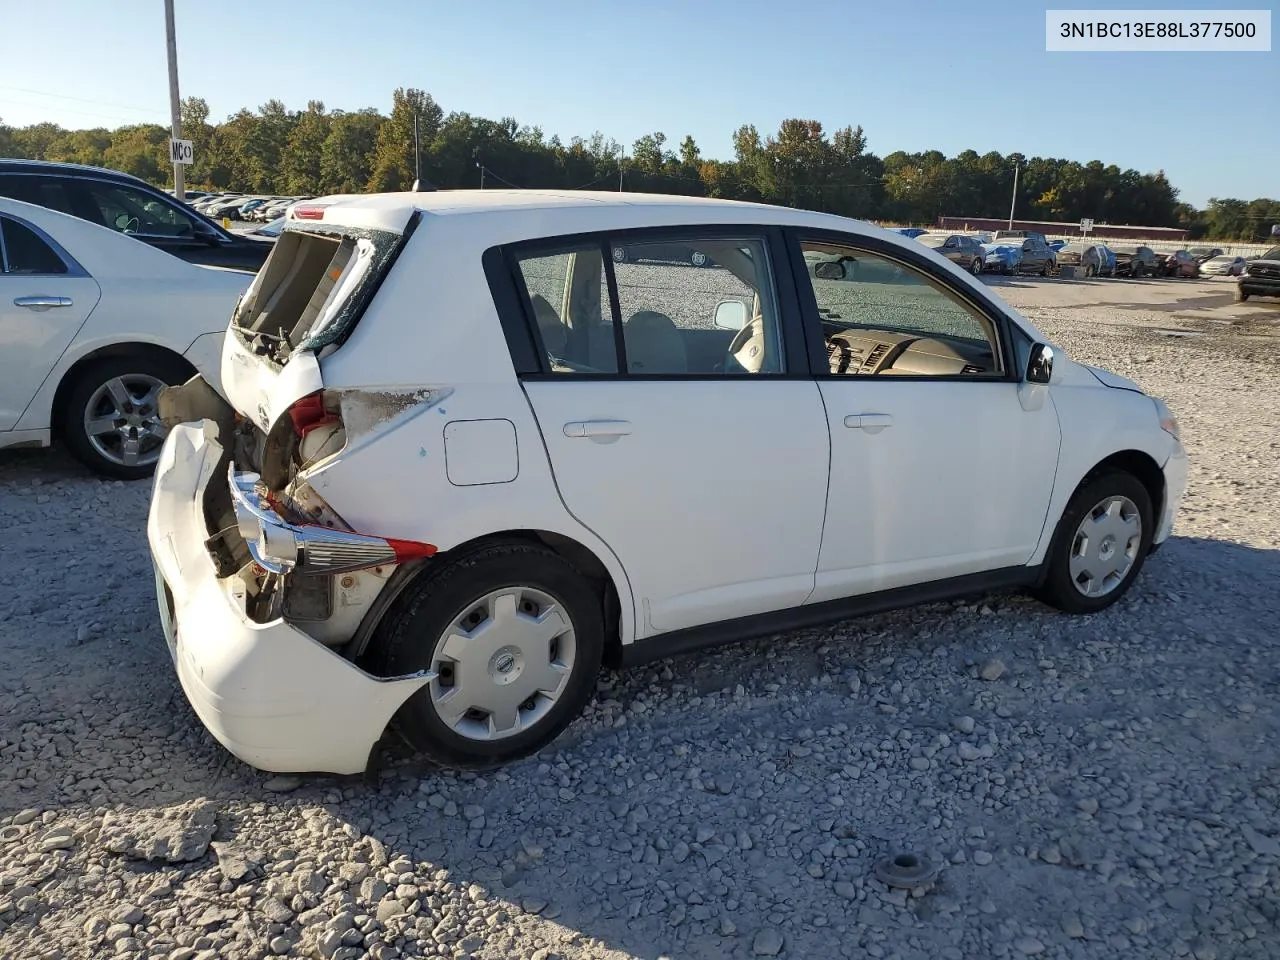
{"points": [[314, 286]]}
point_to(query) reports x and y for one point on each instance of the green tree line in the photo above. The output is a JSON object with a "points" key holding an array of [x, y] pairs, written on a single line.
{"points": [[315, 151]]}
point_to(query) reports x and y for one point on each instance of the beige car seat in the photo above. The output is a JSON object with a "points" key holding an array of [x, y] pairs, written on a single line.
{"points": [[554, 335], [654, 344]]}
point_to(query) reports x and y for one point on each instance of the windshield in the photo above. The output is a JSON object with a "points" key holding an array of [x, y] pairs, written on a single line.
{"points": [[932, 241], [1272, 254]]}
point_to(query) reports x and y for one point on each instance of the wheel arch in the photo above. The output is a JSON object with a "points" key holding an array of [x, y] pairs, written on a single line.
{"points": [[1137, 463], [578, 554], [121, 349]]}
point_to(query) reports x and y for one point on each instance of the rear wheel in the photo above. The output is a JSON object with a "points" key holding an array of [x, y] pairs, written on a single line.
{"points": [[976, 266], [1241, 295], [1089, 272], [698, 258], [110, 421], [514, 634], [1100, 544], [619, 254]]}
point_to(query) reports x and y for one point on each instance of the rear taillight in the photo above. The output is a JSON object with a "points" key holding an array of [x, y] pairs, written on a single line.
{"points": [[309, 413], [308, 212]]}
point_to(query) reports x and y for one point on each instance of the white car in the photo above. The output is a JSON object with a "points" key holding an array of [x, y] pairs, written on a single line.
{"points": [[93, 323], [468, 456], [1225, 265]]}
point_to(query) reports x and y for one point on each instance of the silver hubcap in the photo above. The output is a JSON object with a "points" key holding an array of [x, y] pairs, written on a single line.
{"points": [[502, 664], [122, 422], [1105, 546], [698, 258]]}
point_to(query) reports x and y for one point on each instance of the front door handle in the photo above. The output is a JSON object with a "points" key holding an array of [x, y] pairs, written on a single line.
{"points": [[41, 303], [601, 431], [870, 422]]}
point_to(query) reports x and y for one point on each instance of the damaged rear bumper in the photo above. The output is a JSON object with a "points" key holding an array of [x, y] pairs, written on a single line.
{"points": [[270, 694]]}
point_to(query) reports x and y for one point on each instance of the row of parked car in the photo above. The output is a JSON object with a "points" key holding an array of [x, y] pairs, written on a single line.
{"points": [[254, 208], [1028, 252]]}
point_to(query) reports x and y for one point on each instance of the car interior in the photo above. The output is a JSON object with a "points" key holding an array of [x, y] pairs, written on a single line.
{"points": [[878, 318]]}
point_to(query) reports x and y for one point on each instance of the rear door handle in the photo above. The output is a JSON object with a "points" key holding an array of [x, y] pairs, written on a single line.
{"points": [[601, 431], [870, 422], [41, 303]]}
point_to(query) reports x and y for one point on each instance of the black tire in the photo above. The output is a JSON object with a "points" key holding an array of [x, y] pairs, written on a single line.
{"points": [[1241, 294], [1058, 590], [698, 259], [404, 641], [975, 267], [619, 254], [1045, 269], [167, 368], [1089, 272]]}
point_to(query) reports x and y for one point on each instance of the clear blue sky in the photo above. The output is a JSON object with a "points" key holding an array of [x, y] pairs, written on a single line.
{"points": [[916, 74]]}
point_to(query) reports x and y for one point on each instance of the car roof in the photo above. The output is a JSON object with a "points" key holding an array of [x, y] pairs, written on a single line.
{"points": [[14, 165], [507, 216]]}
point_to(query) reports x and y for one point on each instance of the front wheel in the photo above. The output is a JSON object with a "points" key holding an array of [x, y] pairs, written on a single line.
{"points": [[514, 634], [1241, 295], [1100, 544], [110, 421], [975, 267]]}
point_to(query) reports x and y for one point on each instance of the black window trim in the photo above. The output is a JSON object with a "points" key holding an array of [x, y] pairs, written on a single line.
{"points": [[982, 303], [74, 269], [219, 234], [515, 309]]}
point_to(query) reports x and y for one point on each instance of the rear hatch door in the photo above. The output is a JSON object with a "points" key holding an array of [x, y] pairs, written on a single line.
{"points": [[303, 304]]}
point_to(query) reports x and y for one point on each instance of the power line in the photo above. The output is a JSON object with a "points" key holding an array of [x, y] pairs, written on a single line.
{"points": [[124, 121], [63, 96]]}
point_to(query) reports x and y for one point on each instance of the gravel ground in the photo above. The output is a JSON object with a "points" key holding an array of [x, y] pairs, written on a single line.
{"points": [[1100, 787]]}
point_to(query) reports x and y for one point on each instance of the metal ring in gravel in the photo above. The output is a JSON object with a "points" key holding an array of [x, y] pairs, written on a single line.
{"points": [[906, 870]]}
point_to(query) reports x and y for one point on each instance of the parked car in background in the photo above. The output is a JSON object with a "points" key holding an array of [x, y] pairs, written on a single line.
{"points": [[130, 206], [1181, 264], [1036, 257], [1260, 277], [1134, 260], [410, 508], [1205, 254], [956, 247], [909, 231], [1056, 245], [1092, 259], [1224, 265], [92, 324], [1021, 235], [662, 253], [1001, 257], [246, 208]]}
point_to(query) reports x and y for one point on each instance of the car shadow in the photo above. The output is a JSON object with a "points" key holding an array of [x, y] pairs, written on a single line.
{"points": [[621, 833]]}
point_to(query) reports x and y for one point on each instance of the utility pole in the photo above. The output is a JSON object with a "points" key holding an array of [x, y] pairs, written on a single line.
{"points": [[175, 105], [417, 152], [1014, 202], [621, 159]]}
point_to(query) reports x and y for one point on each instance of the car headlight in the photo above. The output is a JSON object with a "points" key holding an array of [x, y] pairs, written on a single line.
{"points": [[1168, 422]]}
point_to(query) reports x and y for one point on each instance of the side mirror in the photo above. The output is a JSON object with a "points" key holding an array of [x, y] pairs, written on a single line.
{"points": [[731, 314], [1040, 364], [829, 270]]}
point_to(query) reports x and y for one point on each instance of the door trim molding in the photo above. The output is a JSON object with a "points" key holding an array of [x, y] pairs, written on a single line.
{"points": [[724, 632]]}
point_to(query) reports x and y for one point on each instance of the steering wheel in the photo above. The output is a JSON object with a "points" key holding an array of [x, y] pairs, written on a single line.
{"points": [[746, 349]]}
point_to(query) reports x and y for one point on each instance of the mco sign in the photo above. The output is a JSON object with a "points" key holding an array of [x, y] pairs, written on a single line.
{"points": [[181, 151]]}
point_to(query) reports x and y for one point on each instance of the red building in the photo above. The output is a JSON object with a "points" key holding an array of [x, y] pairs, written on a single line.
{"points": [[1106, 231]]}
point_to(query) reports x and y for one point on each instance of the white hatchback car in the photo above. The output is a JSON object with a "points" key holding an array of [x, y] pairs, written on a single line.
{"points": [[471, 453], [93, 324]]}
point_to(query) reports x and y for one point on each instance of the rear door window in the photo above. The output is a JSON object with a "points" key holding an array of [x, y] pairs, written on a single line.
{"points": [[25, 253], [679, 306]]}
